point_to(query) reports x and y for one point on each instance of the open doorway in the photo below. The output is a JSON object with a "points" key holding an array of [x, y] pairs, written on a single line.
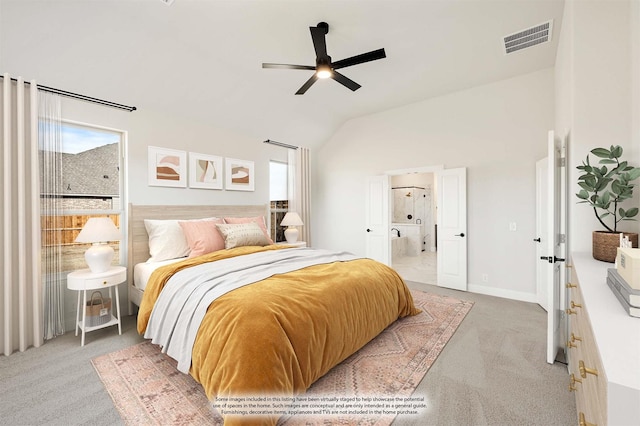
{"points": [[451, 219], [413, 224]]}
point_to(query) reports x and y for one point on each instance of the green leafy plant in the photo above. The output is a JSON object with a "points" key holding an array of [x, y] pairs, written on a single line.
{"points": [[605, 189]]}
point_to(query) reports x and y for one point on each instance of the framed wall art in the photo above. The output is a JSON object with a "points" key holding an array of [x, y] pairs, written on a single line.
{"points": [[205, 171], [167, 167], [239, 175]]}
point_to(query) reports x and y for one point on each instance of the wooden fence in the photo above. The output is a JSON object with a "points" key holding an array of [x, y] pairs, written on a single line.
{"points": [[69, 226]]}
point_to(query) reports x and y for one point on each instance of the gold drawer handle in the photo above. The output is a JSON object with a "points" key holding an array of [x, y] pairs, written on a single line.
{"points": [[575, 305], [575, 338], [574, 380], [570, 344], [584, 370], [583, 422], [569, 285], [104, 283], [571, 312]]}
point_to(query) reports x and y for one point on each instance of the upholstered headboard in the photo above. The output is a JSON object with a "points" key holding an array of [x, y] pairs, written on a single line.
{"points": [[138, 247]]}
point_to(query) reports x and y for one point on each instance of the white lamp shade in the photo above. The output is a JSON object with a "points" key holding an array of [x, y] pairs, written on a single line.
{"points": [[98, 230], [291, 219]]}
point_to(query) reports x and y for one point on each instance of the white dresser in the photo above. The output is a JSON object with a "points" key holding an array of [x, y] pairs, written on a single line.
{"points": [[604, 348]]}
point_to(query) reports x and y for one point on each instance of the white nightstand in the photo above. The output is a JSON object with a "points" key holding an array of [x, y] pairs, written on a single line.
{"points": [[296, 244], [83, 280]]}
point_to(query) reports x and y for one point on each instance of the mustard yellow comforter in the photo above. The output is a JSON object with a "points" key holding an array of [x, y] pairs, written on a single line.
{"points": [[279, 335]]}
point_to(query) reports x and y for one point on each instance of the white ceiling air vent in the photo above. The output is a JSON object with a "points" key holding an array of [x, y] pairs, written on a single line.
{"points": [[529, 37]]}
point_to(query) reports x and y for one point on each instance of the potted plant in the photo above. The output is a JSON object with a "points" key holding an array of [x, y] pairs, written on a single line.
{"points": [[605, 187]]}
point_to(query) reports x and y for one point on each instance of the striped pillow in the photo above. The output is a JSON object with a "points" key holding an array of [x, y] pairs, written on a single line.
{"points": [[257, 219], [243, 234]]}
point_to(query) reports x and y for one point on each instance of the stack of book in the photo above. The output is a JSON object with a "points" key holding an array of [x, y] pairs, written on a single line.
{"points": [[628, 296]]}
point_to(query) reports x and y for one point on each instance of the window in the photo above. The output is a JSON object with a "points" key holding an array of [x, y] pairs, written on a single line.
{"points": [[91, 186], [278, 183]]}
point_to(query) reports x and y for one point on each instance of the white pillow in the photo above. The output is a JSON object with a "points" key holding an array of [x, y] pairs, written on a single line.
{"points": [[242, 234], [166, 240]]}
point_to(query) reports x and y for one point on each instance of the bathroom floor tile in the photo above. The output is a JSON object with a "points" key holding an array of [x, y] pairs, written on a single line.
{"points": [[421, 268]]}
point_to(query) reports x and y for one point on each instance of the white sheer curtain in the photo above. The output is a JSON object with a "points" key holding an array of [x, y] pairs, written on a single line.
{"points": [[50, 142], [299, 190], [21, 296]]}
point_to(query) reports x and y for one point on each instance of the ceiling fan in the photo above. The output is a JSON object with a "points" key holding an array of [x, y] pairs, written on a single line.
{"points": [[324, 67]]}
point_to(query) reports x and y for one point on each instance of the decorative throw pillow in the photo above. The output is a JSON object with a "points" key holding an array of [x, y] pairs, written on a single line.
{"points": [[202, 235], [243, 234], [166, 240], [258, 219]]}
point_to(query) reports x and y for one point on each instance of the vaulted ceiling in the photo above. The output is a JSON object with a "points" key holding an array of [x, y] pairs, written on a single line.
{"points": [[202, 59]]}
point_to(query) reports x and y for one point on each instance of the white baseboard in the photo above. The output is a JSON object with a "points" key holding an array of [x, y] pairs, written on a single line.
{"points": [[501, 292]]}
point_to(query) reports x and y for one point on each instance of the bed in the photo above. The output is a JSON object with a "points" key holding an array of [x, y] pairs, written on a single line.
{"points": [[295, 312], [138, 239]]}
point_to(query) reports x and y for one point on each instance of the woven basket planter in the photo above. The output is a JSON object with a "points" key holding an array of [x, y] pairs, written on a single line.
{"points": [[605, 244]]}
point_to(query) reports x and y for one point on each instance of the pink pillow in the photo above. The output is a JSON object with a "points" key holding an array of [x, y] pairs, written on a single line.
{"points": [[258, 219], [202, 235]]}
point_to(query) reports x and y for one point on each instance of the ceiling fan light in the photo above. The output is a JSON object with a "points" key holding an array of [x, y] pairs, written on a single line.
{"points": [[324, 71]]}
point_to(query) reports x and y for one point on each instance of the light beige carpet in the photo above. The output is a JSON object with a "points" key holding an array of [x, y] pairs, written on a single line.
{"points": [[147, 389]]}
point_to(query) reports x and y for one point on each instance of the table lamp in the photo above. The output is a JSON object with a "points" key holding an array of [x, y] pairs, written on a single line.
{"points": [[291, 219], [98, 231]]}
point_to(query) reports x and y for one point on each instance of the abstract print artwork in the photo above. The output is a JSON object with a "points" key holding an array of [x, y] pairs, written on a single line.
{"points": [[167, 167], [205, 171], [239, 175]]}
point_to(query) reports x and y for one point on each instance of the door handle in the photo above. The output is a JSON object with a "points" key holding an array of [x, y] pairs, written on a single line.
{"points": [[459, 235], [552, 259], [368, 230], [537, 240]]}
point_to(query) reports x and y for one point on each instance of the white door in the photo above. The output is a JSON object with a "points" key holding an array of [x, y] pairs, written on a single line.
{"points": [[542, 201], [452, 228], [377, 219], [551, 259]]}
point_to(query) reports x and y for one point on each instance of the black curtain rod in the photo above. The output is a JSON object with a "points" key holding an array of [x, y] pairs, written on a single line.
{"points": [[284, 145], [79, 96]]}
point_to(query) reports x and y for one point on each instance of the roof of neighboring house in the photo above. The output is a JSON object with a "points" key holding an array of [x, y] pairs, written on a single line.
{"points": [[90, 173]]}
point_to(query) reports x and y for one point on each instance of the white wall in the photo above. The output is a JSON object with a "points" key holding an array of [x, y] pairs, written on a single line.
{"points": [[634, 19], [597, 95], [497, 131]]}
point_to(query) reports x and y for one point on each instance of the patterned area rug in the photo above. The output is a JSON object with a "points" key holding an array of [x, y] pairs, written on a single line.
{"points": [[147, 389]]}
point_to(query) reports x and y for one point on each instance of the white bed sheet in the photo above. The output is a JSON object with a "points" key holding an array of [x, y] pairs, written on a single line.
{"points": [[142, 271]]}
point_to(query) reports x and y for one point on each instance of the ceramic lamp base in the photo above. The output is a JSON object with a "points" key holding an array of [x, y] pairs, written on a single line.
{"points": [[291, 234], [99, 257]]}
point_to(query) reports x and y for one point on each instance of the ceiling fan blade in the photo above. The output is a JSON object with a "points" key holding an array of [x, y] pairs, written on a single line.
{"points": [[359, 59], [345, 81], [306, 85], [289, 67], [319, 41]]}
